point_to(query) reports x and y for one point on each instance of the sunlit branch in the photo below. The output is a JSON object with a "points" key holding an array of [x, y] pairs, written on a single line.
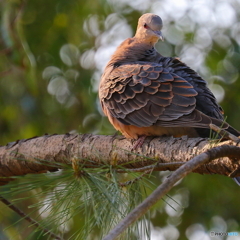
{"points": [[54, 152]]}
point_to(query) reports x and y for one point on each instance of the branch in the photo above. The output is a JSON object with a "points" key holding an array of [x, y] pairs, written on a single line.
{"points": [[53, 152], [165, 187], [29, 219], [223, 133]]}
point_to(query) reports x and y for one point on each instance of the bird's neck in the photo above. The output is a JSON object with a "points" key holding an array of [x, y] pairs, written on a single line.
{"points": [[143, 37], [132, 50]]}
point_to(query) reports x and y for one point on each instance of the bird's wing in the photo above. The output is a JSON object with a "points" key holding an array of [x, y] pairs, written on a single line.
{"points": [[145, 94], [205, 100]]}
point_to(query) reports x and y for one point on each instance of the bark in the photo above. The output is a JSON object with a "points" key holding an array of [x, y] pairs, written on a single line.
{"points": [[51, 152]]}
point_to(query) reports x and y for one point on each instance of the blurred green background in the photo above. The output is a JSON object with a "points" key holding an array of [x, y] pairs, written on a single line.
{"points": [[52, 54]]}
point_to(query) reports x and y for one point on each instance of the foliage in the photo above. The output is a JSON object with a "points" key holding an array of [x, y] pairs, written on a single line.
{"points": [[80, 203], [51, 58]]}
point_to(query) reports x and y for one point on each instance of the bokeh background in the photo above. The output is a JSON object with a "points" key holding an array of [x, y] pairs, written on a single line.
{"points": [[52, 54]]}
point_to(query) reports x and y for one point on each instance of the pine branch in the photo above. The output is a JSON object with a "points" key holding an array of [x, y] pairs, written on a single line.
{"points": [[53, 152]]}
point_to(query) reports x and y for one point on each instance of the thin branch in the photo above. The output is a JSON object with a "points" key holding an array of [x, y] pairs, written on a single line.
{"points": [[124, 184], [223, 133], [167, 185], [29, 219], [155, 167]]}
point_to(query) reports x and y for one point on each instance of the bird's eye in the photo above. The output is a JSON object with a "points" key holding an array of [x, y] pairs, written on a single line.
{"points": [[145, 26]]}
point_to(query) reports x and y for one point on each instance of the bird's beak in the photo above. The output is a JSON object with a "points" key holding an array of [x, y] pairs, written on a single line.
{"points": [[159, 33]]}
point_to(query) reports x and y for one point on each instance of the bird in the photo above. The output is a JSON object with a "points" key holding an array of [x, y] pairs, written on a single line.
{"points": [[146, 94]]}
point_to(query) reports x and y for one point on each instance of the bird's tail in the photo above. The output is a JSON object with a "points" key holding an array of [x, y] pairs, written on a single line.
{"points": [[237, 180], [226, 127], [236, 133], [206, 132], [233, 131]]}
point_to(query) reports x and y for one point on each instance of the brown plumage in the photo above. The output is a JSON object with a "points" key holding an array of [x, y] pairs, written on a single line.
{"points": [[145, 94]]}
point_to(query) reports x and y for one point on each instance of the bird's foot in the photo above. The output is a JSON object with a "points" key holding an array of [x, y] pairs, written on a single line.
{"points": [[139, 142]]}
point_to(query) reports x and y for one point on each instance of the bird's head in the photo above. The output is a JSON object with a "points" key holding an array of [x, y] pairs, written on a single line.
{"points": [[149, 28]]}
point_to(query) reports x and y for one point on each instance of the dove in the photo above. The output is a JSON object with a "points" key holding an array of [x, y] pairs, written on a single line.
{"points": [[146, 94]]}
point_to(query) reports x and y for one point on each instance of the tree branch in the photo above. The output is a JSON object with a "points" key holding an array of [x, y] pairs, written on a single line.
{"points": [[51, 152], [166, 186], [29, 219]]}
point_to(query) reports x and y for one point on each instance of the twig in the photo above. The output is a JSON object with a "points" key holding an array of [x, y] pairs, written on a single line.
{"points": [[4, 73], [223, 133], [166, 186], [154, 167], [29, 219], [20, 11], [5, 50], [124, 184]]}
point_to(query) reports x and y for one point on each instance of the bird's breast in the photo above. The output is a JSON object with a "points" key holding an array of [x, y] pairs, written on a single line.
{"points": [[134, 132]]}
